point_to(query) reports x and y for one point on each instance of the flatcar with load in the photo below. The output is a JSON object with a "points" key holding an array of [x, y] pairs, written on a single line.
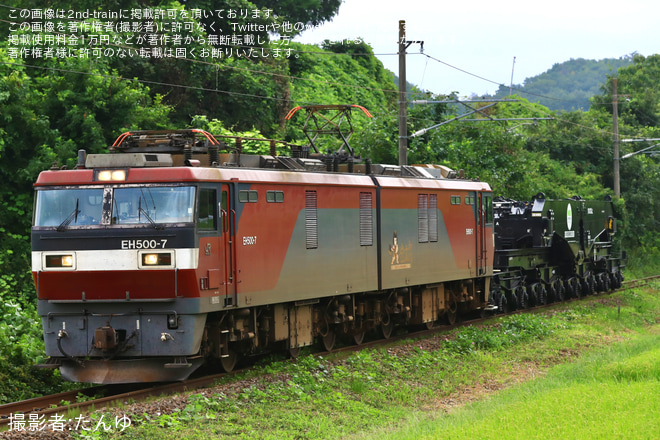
{"points": [[551, 250]]}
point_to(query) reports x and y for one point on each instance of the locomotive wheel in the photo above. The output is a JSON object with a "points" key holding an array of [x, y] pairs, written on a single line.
{"points": [[452, 311], [229, 362], [294, 352], [329, 340], [451, 317], [386, 326], [358, 338]]}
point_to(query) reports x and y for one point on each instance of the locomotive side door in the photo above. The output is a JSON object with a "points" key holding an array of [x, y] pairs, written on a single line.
{"points": [[216, 228], [211, 253], [480, 236], [228, 243]]}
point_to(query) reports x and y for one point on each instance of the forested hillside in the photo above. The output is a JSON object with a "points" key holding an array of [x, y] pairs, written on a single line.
{"points": [[55, 104], [569, 85]]}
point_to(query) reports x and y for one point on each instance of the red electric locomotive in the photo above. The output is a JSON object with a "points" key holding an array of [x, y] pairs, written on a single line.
{"points": [[149, 263]]}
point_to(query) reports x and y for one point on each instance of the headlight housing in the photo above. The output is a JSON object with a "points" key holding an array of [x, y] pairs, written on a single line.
{"points": [[60, 261], [155, 260]]}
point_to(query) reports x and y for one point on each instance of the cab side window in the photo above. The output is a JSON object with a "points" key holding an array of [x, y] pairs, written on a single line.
{"points": [[207, 218]]}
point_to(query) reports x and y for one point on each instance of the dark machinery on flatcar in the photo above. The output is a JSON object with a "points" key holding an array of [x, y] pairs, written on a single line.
{"points": [[549, 250], [169, 253]]}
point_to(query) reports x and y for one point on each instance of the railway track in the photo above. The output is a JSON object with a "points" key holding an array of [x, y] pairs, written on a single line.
{"points": [[85, 400]]}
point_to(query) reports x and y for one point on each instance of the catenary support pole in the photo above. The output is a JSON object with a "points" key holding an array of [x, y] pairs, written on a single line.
{"points": [[615, 137], [403, 102]]}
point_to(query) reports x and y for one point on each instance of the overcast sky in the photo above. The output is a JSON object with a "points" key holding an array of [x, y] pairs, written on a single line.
{"points": [[483, 37]]}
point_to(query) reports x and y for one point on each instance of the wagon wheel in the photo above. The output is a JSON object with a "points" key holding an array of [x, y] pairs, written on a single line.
{"points": [[542, 297], [592, 284], [577, 287], [523, 298], [429, 325], [551, 293], [502, 303], [229, 361], [612, 278], [619, 277], [386, 325], [532, 294], [599, 282], [561, 290]]}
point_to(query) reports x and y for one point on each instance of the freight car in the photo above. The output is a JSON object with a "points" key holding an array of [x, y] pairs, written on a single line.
{"points": [[167, 254], [549, 250]]}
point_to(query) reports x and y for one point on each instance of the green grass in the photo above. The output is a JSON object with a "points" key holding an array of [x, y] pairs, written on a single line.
{"points": [[589, 370], [613, 393]]}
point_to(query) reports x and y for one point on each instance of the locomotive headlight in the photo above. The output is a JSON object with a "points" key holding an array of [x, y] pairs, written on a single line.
{"points": [[119, 175], [65, 261], [156, 259], [108, 175], [150, 259]]}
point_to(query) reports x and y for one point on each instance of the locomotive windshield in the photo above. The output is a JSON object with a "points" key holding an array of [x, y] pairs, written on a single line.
{"points": [[153, 205], [130, 206], [69, 207]]}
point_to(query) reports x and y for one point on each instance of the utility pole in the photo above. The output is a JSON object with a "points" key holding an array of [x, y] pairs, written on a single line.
{"points": [[403, 102], [615, 130], [511, 84]]}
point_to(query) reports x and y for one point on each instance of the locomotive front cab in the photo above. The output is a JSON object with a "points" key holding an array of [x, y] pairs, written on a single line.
{"points": [[115, 259]]}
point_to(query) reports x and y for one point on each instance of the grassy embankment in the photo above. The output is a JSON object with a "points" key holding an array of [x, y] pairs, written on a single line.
{"points": [[583, 371]]}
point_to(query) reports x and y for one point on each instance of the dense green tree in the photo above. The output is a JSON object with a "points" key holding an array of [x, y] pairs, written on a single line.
{"points": [[568, 85], [639, 96], [47, 116]]}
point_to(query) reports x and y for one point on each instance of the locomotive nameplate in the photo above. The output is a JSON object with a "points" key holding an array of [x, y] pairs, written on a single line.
{"points": [[249, 240], [144, 244]]}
